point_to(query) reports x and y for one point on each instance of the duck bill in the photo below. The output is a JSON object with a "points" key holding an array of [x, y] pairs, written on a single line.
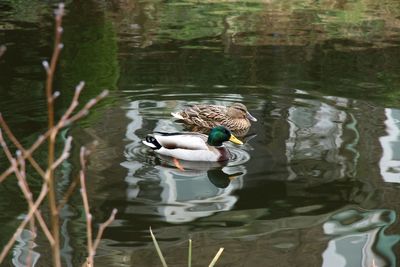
{"points": [[233, 139], [250, 117]]}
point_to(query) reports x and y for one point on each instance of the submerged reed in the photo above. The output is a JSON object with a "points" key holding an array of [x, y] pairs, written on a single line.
{"points": [[164, 263]]}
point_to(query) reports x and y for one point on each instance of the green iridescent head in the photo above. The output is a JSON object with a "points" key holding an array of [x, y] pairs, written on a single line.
{"points": [[220, 134]]}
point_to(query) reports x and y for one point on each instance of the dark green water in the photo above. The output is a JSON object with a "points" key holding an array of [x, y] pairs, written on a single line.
{"points": [[318, 182]]}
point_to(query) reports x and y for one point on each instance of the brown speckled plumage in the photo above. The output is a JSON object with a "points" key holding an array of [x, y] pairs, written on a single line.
{"points": [[234, 117]]}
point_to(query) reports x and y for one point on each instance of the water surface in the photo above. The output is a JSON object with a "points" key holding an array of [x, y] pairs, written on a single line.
{"points": [[316, 182]]}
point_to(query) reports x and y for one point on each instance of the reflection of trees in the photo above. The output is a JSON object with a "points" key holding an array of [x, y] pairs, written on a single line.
{"points": [[315, 144], [20, 68], [90, 52], [336, 47], [266, 23]]}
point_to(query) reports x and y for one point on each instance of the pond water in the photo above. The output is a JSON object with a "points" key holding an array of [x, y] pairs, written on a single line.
{"points": [[316, 182]]}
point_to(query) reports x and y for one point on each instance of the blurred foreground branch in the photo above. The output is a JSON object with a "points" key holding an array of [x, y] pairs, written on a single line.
{"points": [[48, 188]]}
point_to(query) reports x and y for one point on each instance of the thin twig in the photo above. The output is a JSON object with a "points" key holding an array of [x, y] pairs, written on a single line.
{"points": [[102, 227], [25, 188], [92, 246], [14, 140], [62, 123], [86, 207], [74, 103], [27, 218], [29, 152], [85, 110], [75, 181], [64, 155], [32, 226]]}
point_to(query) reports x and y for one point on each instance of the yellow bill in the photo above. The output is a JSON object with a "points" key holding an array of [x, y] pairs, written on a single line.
{"points": [[233, 139]]}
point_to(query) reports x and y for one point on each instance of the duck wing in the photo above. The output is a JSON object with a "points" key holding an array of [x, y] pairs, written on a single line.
{"points": [[211, 112], [189, 141], [206, 116]]}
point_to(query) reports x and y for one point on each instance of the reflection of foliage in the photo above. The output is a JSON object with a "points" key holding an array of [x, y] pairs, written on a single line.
{"points": [[27, 10], [206, 19], [21, 13], [90, 50], [272, 22]]}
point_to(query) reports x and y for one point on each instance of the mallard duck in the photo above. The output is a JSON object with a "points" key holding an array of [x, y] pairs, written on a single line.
{"points": [[193, 146], [235, 117]]}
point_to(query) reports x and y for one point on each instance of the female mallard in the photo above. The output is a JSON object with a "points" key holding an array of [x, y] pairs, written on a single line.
{"points": [[235, 117], [193, 146]]}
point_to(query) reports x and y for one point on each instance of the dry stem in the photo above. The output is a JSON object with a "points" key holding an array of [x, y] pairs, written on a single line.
{"points": [[25, 188], [13, 139], [27, 218], [75, 181], [51, 144], [62, 123], [32, 226], [102, 227], [17, 166], [92, 246], [86, 207]]}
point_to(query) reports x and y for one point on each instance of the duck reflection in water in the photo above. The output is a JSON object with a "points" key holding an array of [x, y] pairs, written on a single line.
{"points": [[218, 173], [198, 189]]}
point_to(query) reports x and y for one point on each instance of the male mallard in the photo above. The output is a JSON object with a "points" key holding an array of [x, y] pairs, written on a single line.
{"points": [[193, 146], [235, 117]]}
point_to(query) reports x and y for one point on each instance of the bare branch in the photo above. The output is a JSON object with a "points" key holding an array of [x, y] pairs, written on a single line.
{"points": [[32, 226], [102, 227], [73, 105], [49, 177], [64, 155], [25, 188], [62, 123], [27, 218], [18, 164], [75, 181], [85, 110], [14, 140], [86, 207], [28, 153]]}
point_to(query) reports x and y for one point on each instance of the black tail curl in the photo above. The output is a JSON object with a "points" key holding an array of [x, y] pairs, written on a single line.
{"points": [[152, 140]]}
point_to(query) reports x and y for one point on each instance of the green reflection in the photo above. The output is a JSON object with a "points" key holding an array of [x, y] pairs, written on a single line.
{"points": [[90, 54]]}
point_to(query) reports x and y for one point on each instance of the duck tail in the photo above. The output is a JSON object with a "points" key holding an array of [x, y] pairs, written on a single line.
{"points": [[177, 115], [152, 142]]}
